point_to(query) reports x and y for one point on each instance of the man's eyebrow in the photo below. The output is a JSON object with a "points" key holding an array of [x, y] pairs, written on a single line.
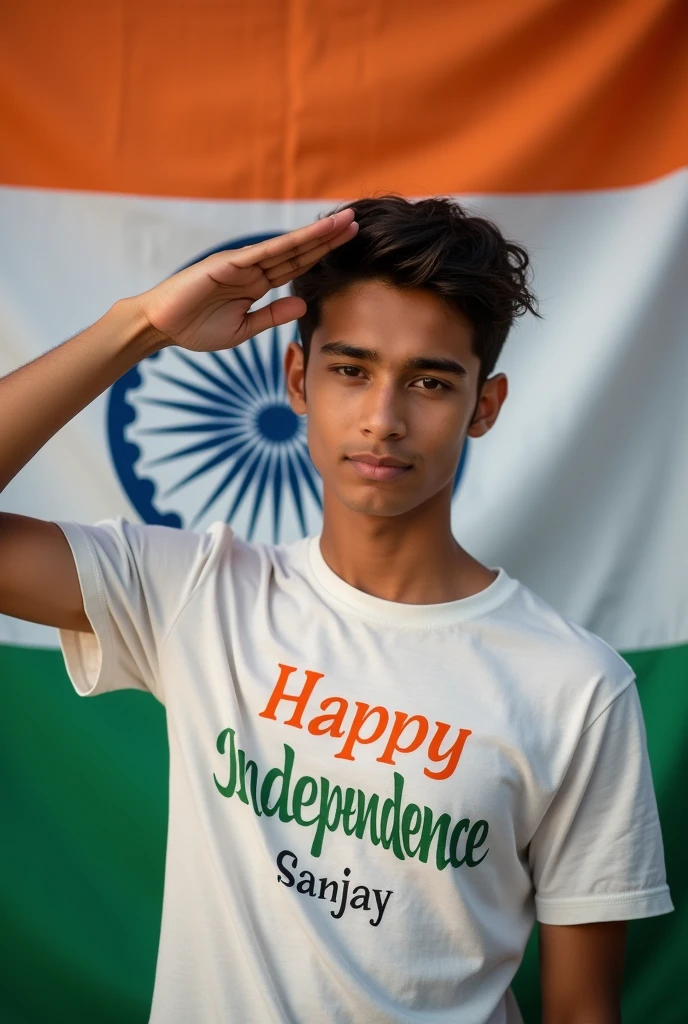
{"points": [[433, 363], [371, 355], [340, 348]]}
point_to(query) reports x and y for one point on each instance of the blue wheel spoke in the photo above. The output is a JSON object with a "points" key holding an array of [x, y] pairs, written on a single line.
{"points": [[226, 423], [217, 397], [258, 363], [309, 471], [204, 372], [201, 410], [239, 384], [249, 379], [222, 486], [243, 487], [296, 493], [202, 446], [276, 496], [461, 468], [275, 362], [222, 456], [259, 492]]}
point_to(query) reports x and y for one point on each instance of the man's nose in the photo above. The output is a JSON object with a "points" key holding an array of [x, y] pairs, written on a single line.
{"points": [[382, 416]]}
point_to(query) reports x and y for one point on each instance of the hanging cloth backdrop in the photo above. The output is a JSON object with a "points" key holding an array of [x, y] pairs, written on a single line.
{"points": [[137, 136]]}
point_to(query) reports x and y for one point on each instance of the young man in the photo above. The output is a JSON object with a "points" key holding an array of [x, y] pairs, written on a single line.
{"points": [[387, 760]]}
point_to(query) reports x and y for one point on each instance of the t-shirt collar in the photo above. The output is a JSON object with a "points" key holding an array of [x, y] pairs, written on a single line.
{"points": [[407, 615]]}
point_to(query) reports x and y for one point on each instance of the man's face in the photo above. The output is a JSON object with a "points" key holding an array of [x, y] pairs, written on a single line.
{"points": [[391, 393]]}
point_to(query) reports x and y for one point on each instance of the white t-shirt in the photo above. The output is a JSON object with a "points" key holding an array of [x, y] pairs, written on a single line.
{"points": [[370, 802]]}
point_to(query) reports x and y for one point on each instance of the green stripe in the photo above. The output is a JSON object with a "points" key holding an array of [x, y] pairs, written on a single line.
{"points": [[84, 812], [84, 808]]}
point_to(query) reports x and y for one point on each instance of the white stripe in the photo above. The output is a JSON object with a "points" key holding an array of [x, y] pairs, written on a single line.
{"points": [[581, 490]]}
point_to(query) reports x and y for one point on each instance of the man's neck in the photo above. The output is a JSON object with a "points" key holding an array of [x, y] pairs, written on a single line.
{"points": [[412, 558]]}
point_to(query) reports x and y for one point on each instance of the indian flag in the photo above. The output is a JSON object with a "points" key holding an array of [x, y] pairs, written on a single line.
{"points": [[138, 137]]}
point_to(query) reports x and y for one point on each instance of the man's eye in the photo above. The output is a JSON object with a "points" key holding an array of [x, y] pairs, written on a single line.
{"points": [[348, 371], [431, 384]]}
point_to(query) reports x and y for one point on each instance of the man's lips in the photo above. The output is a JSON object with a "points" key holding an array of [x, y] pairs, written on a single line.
{"points": [[374, 467]]}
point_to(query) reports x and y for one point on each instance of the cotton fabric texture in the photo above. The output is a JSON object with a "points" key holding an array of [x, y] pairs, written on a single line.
{"points": [[370, 802]]}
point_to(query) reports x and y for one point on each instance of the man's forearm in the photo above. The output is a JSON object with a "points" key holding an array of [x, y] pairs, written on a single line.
{"points": [[581, 970], [38, 399]]}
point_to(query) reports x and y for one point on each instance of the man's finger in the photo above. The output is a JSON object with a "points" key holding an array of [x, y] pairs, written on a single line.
{"points": [[281, 245], [286, 278], [298, 250], [292, 265], [281, 311], [303, 248]]}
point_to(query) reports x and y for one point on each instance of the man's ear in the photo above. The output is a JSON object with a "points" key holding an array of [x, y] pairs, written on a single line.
{"points": [[295, 376], [492, 397]]}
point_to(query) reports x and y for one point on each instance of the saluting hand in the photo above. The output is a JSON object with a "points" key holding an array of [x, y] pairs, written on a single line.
{"points": [[206, 306]]}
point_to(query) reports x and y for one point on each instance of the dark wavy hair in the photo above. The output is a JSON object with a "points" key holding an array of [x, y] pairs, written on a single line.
{"points": [[433, 244]]}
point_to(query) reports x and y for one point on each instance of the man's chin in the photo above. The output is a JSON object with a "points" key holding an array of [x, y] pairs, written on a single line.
{"points": [[373, 504]]}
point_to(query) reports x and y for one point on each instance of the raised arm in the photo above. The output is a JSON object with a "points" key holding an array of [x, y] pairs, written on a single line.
{"points": [[204, 308]]}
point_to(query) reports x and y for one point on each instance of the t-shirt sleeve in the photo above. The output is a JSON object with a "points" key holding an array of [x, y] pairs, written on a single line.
{"points": [[597, 854], [135, 580]]}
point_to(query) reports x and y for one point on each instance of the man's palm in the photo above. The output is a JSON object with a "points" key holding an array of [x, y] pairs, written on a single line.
{"points": [[206, 307]]}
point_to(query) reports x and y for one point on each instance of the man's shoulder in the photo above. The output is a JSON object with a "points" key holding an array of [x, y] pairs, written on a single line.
{"points": [[218, 546], [127, 532], [570, 649]]}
